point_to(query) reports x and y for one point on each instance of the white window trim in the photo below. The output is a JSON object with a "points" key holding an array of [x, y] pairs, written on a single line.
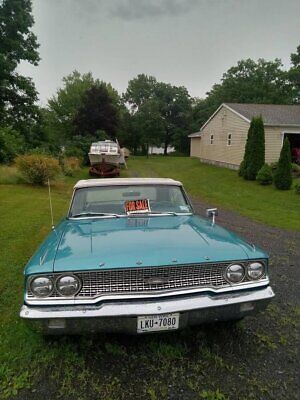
{"points": [[211, 139], [288, 131]]}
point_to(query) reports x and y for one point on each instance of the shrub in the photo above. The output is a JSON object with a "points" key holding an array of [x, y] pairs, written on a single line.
{"points": [[265, 176], [70, 165], [38, 168], [283, 175], [296, 169], [274, 166], [297, 188]]}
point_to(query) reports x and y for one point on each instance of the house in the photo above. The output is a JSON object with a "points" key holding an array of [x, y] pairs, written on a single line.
{"points": [[160, 150], [221, 140]]}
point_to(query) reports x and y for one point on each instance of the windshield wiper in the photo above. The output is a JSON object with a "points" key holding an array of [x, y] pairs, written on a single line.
{"points": [[94, 214], [156, 213]]}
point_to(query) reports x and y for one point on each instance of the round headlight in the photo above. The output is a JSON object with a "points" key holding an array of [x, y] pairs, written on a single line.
{"points": [[42, 286], [256, 270], [68, 285], [235, 273]]}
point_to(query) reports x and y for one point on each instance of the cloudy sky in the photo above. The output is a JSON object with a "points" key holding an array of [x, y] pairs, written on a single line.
{"points": [[184, 42]]}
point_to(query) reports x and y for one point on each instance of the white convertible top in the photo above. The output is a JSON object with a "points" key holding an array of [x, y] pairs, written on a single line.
{"points": [[126, 181]]}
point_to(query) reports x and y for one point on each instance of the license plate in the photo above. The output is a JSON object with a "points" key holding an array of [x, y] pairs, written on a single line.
{"points": [[153, 323]]}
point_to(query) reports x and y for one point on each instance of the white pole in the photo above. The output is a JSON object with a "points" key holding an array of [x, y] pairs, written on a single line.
{"points": [[50, 201]]}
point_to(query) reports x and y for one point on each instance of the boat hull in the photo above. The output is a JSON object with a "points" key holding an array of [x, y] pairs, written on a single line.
{"points": [[96, 159]]}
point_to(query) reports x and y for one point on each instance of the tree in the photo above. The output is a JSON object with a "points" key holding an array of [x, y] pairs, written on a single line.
{"points": [[18, 43], [98, 112], [139, 90], [11, 144], [149, 123], [62, 108], [294, 74], [172, 108], [283, 175], [247, 82], [254, 157], [176, 110]]}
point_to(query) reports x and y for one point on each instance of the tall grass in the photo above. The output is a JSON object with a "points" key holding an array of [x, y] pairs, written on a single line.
{"points": [[9, 175]]}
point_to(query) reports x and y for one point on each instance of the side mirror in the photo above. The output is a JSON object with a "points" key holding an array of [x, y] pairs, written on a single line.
{"points": [[212, 213]]}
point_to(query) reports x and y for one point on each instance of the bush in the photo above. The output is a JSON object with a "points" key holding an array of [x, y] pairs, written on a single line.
{"points": [[265, 176], [37, 168], [296, 169], [283, 175], [297, 188], [70, 165], [274, 166]]}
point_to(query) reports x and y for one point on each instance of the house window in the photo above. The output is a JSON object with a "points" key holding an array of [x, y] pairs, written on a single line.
{"points": [[211, 139], [229, 137]]}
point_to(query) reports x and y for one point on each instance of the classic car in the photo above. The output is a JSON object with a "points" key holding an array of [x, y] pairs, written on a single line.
{"points": [[132, 256]]}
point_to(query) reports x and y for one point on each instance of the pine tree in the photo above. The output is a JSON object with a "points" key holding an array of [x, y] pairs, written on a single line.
{"points": [[283, 175], [245, 162], [257, 154], [254, 157]]}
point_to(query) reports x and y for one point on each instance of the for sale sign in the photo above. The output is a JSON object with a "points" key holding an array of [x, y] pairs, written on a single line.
{"points": [[137, 206]]}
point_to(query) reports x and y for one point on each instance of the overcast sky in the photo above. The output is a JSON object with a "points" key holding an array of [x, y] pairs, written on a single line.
{"points": [[183, 42]]}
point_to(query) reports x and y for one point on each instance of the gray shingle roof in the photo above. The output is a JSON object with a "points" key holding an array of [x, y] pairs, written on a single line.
{"points": [[272, 114], [196, 134]]}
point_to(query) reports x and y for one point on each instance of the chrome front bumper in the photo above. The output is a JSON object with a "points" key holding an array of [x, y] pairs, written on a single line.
{"points": [[121, 316]]}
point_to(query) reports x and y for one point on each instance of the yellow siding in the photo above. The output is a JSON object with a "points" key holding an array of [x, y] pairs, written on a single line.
{"points": [[223, 123], [195, 146], [273, 142]]}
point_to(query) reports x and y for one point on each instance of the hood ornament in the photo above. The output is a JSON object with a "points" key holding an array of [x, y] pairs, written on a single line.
{"points": [[212, 213], [156, 280]]}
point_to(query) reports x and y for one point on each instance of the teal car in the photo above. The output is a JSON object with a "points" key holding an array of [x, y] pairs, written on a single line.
{"points": [[132, 256]]}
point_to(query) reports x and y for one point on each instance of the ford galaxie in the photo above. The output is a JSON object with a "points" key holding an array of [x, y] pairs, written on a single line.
{"points": [[132, 256]]}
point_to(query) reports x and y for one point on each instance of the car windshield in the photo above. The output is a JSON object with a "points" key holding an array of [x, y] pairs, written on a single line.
{"points": [[120, 200]]}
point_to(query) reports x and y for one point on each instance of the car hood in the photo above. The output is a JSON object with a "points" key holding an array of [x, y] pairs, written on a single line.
{"points": [[161, 240]]}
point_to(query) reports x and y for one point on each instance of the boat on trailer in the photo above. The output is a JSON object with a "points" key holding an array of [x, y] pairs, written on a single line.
{"points": [[105, 158]]}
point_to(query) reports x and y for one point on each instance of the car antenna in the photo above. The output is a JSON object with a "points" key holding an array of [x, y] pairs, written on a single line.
{"points": [[50, 202]]}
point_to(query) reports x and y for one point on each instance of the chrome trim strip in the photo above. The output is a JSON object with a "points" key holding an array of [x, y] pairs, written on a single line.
{"points": [[153, 295], [147, 308]]}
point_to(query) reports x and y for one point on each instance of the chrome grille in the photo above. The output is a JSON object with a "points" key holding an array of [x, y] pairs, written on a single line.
{"points": [[138, 280]]}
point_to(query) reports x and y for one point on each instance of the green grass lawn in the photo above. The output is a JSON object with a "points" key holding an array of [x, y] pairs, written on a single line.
{"points": [[223, 187], [25, 221]]}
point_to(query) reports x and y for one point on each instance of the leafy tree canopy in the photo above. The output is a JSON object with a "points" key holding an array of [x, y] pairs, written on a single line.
{"points": [[162, 113], [294, 74], [140, 90], [18, 43], [248, 82], [63, 107], [98, 112]]}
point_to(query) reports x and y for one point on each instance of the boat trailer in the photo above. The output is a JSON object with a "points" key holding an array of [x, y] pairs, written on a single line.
{"points": [[104, 170]]}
